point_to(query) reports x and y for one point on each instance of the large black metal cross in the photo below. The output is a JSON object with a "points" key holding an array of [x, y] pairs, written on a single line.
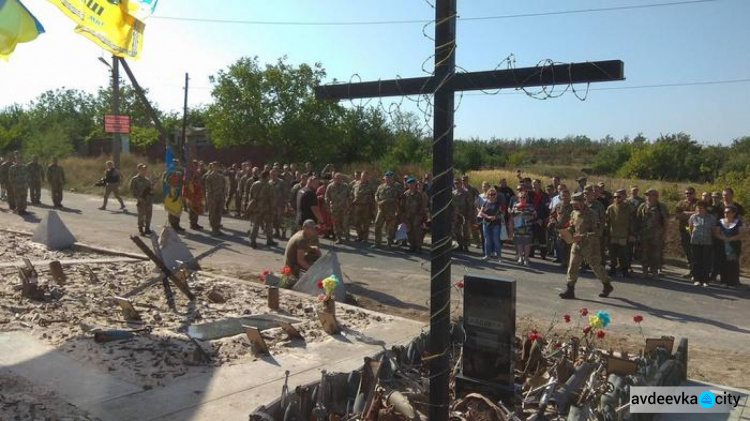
{"points": [[444, 83]]}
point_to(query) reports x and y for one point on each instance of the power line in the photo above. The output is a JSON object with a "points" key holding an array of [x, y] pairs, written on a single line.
{"points": [[426, 21], [623, 88]]}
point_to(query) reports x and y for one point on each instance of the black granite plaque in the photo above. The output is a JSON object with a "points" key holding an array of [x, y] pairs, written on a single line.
{"points": [[490, 324]]}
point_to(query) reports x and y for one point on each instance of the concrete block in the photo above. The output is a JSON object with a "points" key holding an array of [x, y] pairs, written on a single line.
{"points": [[53, 233]]}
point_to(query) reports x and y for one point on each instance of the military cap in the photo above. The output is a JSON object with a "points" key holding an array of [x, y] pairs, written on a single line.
{"points": [[716, 194], [621, 191], [411, 180], [388, 174], [578, 197], [652, 190], [579, 179], [588, 187], [634, 186], [309, 223], [464, 177], [600, 184]]}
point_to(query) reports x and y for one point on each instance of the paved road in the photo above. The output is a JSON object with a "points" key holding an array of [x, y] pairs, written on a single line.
{"points": [[399, 282]]}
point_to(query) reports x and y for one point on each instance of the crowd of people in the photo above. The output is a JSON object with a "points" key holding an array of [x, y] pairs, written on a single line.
{"points": [[580, 228]]}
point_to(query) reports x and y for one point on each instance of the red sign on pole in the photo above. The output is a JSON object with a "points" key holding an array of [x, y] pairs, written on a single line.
{"points": [[117, 124]]}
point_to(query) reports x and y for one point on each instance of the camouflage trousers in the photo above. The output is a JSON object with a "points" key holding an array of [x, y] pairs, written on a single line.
{"points": [[587, 249], [19, 198], [215, 207], [35, 191], [461, 230], [414, 232], [362, 218], [341, 224], [57, 194], [112, 188], [651, 253], [264, 220], [11, 197], [387, 218], [145, 210]]}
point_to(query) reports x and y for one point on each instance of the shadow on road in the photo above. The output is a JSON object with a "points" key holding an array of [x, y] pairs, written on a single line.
{"points": [[359, 288]]}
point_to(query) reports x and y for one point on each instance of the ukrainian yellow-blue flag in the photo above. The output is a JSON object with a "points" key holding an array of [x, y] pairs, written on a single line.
{"points": [[17, 25], [108, 23]]}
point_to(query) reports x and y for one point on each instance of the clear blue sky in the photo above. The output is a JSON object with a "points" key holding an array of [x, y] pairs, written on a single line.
{"points": [[688, 43]]}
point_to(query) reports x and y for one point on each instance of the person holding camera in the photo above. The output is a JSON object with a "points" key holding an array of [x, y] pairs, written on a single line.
{"points": [[142, 190], [111, 183]]}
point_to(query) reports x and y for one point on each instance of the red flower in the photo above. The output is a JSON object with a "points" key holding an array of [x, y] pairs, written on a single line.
{"points": [[567, 318], [600, 334], [286, 270], [266, 272], [584, 311], [263, 275], [460, 284], [637, 318], [586, 330], [534, 335], [320, 283], [557, 344]]}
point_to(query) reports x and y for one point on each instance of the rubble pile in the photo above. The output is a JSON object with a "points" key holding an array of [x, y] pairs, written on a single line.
{"points": [[554, 380], [155, 349]]}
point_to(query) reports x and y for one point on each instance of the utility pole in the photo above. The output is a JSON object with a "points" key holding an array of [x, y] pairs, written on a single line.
{"points": [[184, 123], [116, 109]]}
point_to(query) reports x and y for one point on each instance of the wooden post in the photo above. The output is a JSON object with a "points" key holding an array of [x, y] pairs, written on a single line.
{"points": [[56, 270], [273, 298]]}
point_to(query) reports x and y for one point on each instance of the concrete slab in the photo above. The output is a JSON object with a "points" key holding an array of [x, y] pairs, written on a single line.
{"points": [[231, 393], [53, 233], [39, 363], [173, 250]]}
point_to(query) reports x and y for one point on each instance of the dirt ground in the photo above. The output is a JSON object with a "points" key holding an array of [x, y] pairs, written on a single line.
{"points": [[21, 400]]}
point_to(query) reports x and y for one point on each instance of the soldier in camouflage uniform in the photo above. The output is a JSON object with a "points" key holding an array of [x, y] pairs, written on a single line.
{"points": [[585, 226], [280, 203], [338, 199], [3, 177], [36, 176], [215, 197], [559, 219], [260, 208], [474, 227], [239, 198], [142, 189], [413, 213], [55, 176], [682, 212], [232, 177], [18, 179], [463, 211], [592, 201], [651, 225], [363, 203], [387, 198], [620, 227], [295, 189], [7, 188]]}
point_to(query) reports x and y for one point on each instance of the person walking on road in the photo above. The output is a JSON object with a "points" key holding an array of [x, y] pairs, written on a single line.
{"points": [[112, 179]]}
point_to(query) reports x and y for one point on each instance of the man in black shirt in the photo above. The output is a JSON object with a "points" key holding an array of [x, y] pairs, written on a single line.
{"points": [[307, 202]]}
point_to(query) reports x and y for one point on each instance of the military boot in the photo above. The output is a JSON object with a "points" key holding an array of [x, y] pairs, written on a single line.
{"points": [[569, 294], [608, 288]]}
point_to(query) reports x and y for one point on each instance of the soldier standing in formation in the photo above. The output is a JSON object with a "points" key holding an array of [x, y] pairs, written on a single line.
{"points": [[36, 176], [55, 176], [260, 208], [651, 224], [231, 174], [18, 180], [279, 207], [5, 180], [414, 213], [620, 228], [386, 196], [215, 192], [337, 197], [586, 236], [193, 193], [559, 219], [142, 189], [472, 221], [4, 166], [592, 201], [112, 179], [363, 202], [244, 175]]}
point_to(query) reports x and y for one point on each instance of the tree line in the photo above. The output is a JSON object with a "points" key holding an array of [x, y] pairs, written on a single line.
{"points": [[274, 104]]}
